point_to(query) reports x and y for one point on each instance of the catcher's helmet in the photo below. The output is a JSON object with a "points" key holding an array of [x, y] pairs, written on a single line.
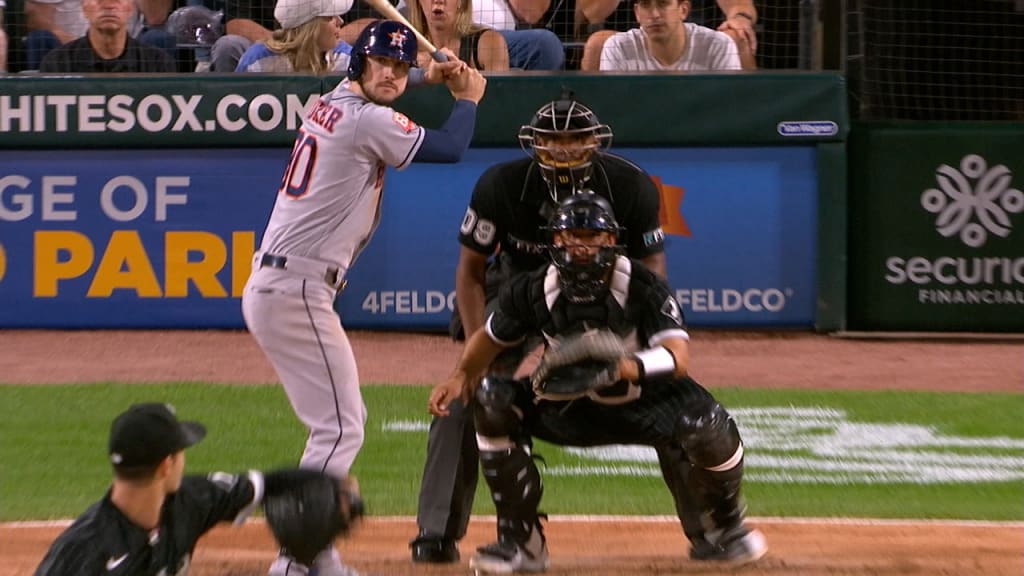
{"points": [[562, 138], [385, 38], [583, 274]]}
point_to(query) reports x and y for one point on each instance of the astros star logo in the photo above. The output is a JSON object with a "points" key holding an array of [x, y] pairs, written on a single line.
{"points": [[671, 213], [398, 38]]}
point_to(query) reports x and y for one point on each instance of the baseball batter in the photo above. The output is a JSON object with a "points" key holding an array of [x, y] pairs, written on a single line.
{"points": [[327, 208], [645, 396]]}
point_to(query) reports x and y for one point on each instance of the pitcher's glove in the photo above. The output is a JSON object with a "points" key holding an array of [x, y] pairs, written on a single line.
{"points": [[578, 366], [306, 510]]}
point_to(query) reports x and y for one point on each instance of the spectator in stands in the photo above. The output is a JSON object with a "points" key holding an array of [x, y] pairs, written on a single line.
{"points": [[740, 18], [3, 39], [308, 41], [664, 41], [152, 24], [106, 45], [245, 22], [670, 46], [528, 49], [51, 23], [449, 24], [248, 21]]}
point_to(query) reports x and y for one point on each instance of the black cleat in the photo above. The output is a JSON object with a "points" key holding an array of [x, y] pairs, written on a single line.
{"points": [[432, 550]]}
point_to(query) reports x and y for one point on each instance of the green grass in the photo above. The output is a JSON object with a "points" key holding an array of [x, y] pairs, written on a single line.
{"points": [[53, 451]]}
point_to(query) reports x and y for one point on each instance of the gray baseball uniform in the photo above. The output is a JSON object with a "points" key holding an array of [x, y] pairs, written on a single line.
{"points": [[327, 208]]}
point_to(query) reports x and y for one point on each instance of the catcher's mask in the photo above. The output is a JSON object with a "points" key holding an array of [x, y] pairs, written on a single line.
{"points": [[385, 38], [562, 139], [583, 248]]}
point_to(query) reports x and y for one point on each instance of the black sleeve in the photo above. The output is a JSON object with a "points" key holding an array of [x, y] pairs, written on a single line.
{"points": [[219, 497], [481, 225], [655, 308], [72, 558], [56, 61], [514, 318], [643, 227]]}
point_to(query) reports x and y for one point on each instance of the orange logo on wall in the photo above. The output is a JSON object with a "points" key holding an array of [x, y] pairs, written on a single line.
{"points": [[670, 213]]}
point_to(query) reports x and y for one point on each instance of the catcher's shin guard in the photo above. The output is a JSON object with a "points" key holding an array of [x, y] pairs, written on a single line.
{"points": [[516, 489], [712, 443]]}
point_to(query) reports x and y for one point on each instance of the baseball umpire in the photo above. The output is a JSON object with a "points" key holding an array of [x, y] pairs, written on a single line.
{"points": [[148, 522], [501, 236], [614, 372]]}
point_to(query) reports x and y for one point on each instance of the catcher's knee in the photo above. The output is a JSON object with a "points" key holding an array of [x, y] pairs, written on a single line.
{"points": [[710, 436], [495, 414]]}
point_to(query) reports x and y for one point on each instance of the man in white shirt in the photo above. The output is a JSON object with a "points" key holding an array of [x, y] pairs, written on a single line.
{"points": [[739, 24], [664, 41]]}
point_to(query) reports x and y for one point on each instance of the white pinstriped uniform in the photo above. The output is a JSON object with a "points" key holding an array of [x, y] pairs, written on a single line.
{"points": [[326, 211]]}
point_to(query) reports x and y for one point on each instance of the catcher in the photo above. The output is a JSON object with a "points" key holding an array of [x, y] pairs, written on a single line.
{"points": [[614, 372], [149, 521]]}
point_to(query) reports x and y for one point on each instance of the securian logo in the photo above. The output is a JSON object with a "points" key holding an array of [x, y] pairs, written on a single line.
{"points": [[975, 192]]}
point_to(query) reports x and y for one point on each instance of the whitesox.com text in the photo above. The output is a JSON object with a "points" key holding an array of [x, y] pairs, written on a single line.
{"points": [[151, 113]]}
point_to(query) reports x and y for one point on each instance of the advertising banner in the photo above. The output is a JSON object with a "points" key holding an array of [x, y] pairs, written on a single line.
{"points": [[164, 238], [935, 229], [163, 111], [251, 110]]}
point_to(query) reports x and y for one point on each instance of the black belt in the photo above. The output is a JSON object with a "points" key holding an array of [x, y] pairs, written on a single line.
{"points": [[281, 262]]}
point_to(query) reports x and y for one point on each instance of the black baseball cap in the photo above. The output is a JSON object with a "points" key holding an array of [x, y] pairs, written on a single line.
{"points": [[147, 433]]}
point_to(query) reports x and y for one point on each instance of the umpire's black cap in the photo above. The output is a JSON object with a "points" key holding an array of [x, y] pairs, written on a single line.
{"points": [[147, 433]]}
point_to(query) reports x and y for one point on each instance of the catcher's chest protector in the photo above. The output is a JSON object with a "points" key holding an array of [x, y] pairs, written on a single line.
{"points": [[565, 318]]}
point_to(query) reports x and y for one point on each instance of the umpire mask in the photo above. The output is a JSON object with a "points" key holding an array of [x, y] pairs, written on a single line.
{"points": [[562, 138], [583, 248]]}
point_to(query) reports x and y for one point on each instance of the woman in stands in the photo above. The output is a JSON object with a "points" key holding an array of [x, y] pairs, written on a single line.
{"points": [[309, 40], [449, 24]]}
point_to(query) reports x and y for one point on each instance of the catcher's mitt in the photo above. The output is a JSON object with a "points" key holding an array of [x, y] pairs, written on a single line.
{"points": [[306, 510], [579, 366]]}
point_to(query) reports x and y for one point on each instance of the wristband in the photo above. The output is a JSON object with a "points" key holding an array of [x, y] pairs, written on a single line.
{"points": [[655, 363]]}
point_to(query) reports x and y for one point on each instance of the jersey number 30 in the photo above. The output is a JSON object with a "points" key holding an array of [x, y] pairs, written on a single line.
{"points": [[300, 166]]}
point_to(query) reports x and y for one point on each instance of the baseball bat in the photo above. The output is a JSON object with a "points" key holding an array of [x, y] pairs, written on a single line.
{"points": [[391, 13]]}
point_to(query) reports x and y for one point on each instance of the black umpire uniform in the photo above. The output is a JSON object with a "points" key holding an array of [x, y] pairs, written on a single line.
{"points": [[510, 205]]}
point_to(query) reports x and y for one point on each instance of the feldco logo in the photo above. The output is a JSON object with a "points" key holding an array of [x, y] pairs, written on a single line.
{"points": [[975, 192], [808, 128]]}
